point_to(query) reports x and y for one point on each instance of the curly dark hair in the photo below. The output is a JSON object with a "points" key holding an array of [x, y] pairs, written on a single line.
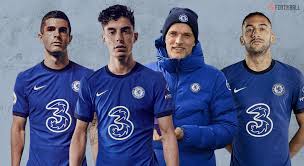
{"points": [[114, 13]]}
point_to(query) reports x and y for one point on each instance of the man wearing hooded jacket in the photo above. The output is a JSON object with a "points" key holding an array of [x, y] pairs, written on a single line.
{"points": [[204, 117]]}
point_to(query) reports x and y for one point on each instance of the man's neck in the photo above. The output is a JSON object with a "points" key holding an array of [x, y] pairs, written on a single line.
{"points": [[121, 67], [259, 62], [56, 63]]}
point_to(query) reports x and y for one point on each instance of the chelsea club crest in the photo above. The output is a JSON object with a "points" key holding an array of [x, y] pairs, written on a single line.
{"points": [[76, 86], [183, 18], [138, 92], [278, 89], [195, 87]]}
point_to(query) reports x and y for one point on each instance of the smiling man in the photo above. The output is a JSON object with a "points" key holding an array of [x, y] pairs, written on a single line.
{"points": [[204, 114], [47, 95], [126, 96], [265, 91]]}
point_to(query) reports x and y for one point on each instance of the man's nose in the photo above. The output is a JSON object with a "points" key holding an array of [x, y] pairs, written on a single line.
{"points": [[179, 39], [56, 33], [119, 37], [254, 33]]}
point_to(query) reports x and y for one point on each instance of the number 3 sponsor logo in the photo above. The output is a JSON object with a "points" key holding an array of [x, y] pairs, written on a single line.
{"points": [[61, 119], [121, 128], [261, 125]]}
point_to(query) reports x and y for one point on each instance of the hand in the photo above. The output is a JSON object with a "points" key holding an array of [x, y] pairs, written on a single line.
{"points": [[179, 133], [156, 136]]}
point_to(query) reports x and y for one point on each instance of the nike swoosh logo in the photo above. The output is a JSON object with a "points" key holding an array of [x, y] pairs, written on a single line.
{"points": [[237, 90], [39, 87], [168, 96], [99, 94]]}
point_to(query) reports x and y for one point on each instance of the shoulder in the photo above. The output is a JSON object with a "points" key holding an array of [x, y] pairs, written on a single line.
{"points": [[94, 75], [234, 71], [79, 67], [231, 68], [289, 73], [211, 69], [151, 77], [288, 68], [151, 71], [212, 72], [24, 75]]}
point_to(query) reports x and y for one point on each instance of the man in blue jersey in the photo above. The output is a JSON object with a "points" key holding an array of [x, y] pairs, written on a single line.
{"points": [[265, 91], [126, 96], [47, 95], [204, 114]]}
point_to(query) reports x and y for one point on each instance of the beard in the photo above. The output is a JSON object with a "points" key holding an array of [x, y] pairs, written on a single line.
{"points": [[257, 50]]}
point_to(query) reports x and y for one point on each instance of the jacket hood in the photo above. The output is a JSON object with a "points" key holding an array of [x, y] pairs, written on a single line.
{"points": [[190, 63]]}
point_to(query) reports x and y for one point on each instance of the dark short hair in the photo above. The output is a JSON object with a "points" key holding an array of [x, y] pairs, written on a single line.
{"points": [[255, 14], [55, 14], [114, 13]]}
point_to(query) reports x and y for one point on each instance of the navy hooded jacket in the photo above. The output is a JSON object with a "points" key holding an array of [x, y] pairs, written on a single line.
{"points": [[204, 106]]}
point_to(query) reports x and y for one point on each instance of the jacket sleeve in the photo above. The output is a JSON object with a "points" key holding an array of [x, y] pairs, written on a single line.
{"points": [[223, 124]]}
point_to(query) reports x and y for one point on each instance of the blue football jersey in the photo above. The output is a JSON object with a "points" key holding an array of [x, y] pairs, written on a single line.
{"points": [[48, 98], [264, 101], [125, 106]]}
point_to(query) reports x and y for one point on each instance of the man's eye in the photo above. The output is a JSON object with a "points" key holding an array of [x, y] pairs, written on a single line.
{"points": [[63, 30], [262, 29], [126, 31], [50, 28], [249, 30], [172, 34]]}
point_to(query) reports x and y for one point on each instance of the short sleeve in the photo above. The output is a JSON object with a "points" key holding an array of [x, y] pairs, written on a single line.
{"points": [[298, 95], [163, 105], [20, 102], [84, 107]]}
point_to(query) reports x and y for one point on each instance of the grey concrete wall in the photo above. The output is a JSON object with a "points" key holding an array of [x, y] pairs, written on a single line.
{"points": [[219, 24]]}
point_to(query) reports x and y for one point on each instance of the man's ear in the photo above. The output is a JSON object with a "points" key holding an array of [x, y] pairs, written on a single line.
{"points": [[272, 38], [40, 36], [242, 41], [71, 37], [103, 39], [135, 37]]}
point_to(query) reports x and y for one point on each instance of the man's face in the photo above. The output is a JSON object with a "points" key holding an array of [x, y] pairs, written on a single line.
{"points": [[55, 36], [179, 41], [119, 37], [257, 35]]}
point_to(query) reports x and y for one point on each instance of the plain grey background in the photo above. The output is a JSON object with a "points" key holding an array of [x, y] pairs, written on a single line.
{"points": [[219, 26]]}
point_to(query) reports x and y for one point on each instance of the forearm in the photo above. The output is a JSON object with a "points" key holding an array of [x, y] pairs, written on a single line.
{"points": [[17, 145], [170, 148], [296, 142], [94, 152], [77, 148], [94, 138]]}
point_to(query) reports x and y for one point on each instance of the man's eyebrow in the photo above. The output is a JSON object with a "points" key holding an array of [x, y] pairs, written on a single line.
{"points": [[111, 29], [250, 25], [126, 28], [263, 25], [50, 26]]}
